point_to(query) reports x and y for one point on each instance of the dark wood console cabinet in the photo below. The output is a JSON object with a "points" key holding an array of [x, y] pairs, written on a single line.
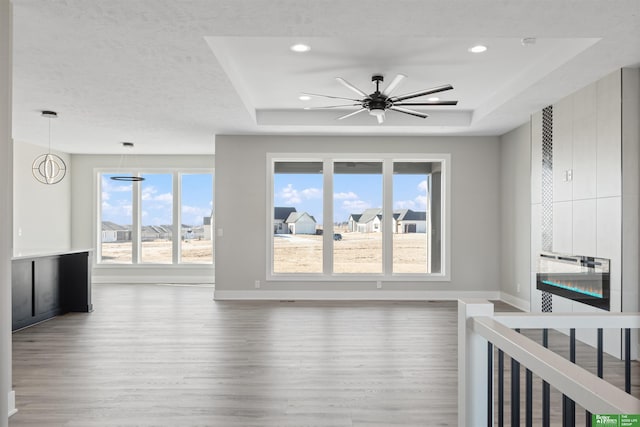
{"points": [[49, 285]]}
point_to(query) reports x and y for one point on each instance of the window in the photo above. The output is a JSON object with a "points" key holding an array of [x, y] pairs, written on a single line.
{"points": [[389, 217], [151, 222], [357, 216], [297, 220], [416, 227], [196, 227], [156, 243], [116, 200]]}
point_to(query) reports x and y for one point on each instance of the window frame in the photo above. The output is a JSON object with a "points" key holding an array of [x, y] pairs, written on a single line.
{"points": [[387, 160], [136, 203]]}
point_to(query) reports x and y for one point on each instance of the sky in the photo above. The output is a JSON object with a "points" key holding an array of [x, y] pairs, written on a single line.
{"points": [[157, 199], [352, 193]]}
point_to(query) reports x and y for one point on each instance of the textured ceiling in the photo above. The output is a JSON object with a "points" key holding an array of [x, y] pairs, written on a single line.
{"points": [[170, 75]]}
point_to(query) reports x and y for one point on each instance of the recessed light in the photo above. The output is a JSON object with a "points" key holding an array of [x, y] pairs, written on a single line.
{"points": [[304, 97], [478, 49], [299, 47], [433, 99]]}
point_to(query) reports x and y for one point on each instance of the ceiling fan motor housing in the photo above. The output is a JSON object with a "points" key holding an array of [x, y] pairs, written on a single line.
{"points": [[378, 102]]}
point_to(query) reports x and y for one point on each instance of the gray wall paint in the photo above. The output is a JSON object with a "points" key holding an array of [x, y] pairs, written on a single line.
{"points": [[515, 190], [630, 189], [241, 199], [42, 213]]}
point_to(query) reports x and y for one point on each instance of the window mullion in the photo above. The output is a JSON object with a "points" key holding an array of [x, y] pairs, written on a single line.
{"points": [[387, 217], [98, 235], [213, 218], [136, 219], [327, 213], [177, 220]]}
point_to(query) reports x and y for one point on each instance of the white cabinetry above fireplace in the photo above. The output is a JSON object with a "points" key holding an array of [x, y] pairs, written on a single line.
{"points": [[586, 142]]}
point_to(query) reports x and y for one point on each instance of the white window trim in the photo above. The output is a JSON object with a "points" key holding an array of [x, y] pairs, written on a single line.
{"points": [[136, 208], [387, 159]]}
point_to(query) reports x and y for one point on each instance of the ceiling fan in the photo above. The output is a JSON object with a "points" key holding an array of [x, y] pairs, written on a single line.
{"points": [[379, 102]]}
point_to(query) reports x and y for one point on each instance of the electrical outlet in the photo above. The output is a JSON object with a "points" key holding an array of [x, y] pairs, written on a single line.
{"points": [[379, 284], [518, 287], [257, 284], [19, 231]]}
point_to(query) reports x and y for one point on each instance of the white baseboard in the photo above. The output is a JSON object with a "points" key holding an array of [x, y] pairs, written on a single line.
{"points": [[206, 279], [365, 295], [12, 403], [520, 303]]}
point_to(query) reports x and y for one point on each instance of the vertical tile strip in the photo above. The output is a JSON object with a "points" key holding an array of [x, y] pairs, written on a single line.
{"points": [[547, 192]]}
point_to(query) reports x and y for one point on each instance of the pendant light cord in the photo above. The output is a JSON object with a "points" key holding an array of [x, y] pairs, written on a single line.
{"points": [[49, 135]]}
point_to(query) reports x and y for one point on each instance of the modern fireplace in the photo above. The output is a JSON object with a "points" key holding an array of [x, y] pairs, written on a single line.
{"points": [[579, 278]]}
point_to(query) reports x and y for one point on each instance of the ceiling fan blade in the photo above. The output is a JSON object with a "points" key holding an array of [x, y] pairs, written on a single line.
{"points": [[428, 103], [332, 106], [421, 93], [352, 114], [330, 96], [394, 84], [407, 111], [380, 118], [351, 87]]}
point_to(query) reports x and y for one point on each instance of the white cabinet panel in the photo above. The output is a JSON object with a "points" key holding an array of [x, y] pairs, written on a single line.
{"points": [[562, 305], [630, 301], [609, 135], [609, 239], [615, 298], [584, 227], [562, 227], [584, 143], [630, 187], [562, 149], [536, 157], [609, 227]]}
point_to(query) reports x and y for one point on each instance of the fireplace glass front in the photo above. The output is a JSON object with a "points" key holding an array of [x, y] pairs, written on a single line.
{"points": [[580, 278]]}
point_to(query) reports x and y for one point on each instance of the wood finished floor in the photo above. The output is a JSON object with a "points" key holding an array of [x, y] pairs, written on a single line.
{"points": [[152, 355]]}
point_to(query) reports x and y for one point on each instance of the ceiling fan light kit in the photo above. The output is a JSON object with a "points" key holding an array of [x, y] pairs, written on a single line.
{"points": [[378, 102]]}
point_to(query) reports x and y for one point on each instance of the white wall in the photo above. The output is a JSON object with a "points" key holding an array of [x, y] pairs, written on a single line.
{"points": [[630, 189], [41, 213], [595, 213], [241, 198], [7, 397], [587, 209], [515, 190], [84, 205]]}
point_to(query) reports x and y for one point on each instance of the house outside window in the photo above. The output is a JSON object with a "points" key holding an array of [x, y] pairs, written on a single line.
{"points": [[167, 218], [296, 217], [388, 217]]}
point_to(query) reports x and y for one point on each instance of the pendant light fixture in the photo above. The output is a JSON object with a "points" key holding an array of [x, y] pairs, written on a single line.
{"points": [[49, 168], [123, 162]]}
